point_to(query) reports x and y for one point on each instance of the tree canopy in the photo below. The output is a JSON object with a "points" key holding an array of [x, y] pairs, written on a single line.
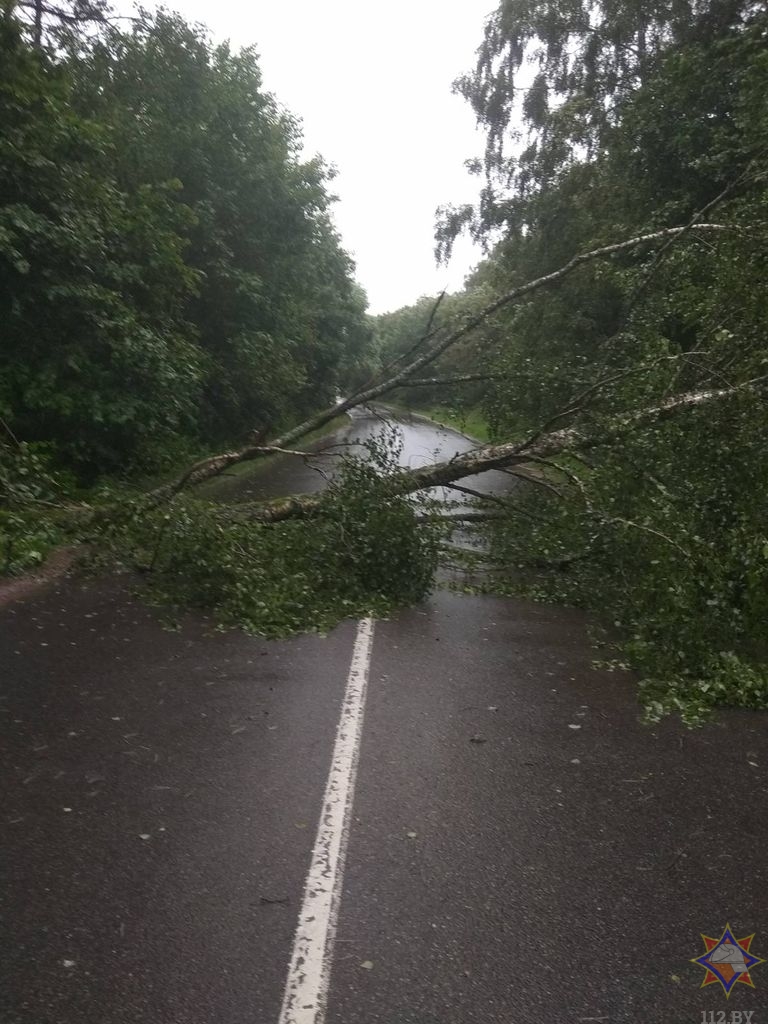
{"points": [[606, 122], [169, 270]]}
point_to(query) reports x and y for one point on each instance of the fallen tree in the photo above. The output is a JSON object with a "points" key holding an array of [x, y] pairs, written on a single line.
{"points": [[433, 344], [539, 447], [623, 382], [373, 538]]}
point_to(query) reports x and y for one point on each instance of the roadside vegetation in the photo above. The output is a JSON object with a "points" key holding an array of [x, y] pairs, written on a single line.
{"points": [[170, 279], [469, 421], [172, 288]]}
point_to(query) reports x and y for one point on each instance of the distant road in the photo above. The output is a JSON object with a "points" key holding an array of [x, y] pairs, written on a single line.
{"points": [[422, 442]]}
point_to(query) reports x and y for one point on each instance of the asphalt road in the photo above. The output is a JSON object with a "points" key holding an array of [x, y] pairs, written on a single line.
{"points": [[520, 848], [421, 443]]}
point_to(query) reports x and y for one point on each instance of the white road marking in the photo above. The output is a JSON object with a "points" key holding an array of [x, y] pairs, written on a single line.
{"points": [[306, 990]]}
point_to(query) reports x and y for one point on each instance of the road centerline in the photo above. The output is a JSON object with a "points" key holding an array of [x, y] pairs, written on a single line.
{"points": [[306, 990]]}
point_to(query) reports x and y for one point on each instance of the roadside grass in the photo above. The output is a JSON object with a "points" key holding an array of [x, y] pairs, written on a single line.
{"points": [[470, 421]]}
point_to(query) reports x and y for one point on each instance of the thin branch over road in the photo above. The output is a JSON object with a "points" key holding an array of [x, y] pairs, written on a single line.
{"points": [[210, 467]]}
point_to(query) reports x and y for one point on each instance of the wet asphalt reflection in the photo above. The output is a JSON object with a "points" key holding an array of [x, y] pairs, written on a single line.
{"points": [[421, 441]]}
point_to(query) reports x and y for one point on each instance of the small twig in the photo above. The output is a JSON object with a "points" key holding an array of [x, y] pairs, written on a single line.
{"points": [[462, 517], [10, 433], [618, 520], [427, 335], [472, 493]]}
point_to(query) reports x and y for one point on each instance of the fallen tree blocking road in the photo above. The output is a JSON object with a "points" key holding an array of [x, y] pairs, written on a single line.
{"points": [[501, 456], [434, 343]]}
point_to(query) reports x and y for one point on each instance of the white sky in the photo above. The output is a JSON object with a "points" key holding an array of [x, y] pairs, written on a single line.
{"points": [[372, 84]]}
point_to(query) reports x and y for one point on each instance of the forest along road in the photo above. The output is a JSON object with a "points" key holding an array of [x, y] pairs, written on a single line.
{"points": [[464, 818]]}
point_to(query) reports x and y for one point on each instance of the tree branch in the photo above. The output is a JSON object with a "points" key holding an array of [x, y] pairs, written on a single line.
{"points": [[459, 378], [210, 467], [472, 493], [428, 333], [504, 456]]}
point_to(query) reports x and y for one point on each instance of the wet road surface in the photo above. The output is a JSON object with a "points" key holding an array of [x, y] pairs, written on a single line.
{"points": [[520, 848], [422, 442]]}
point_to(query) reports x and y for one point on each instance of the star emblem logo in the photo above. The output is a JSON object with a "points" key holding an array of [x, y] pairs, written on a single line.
{"points": [[728, 961]]}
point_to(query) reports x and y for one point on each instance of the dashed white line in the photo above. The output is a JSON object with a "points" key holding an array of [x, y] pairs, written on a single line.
{"points": [[306, 989]]}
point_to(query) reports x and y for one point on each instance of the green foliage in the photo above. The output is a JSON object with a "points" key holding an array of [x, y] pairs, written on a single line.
{"points": [[591, 56], [640, 117], [97, 360], [168, 267], [663, 539], [170, 279], [28, 488], [364, 552], [277, 312]]}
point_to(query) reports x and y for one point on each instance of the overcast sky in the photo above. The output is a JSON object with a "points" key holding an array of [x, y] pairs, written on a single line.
{"points": [[372, 84]]}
